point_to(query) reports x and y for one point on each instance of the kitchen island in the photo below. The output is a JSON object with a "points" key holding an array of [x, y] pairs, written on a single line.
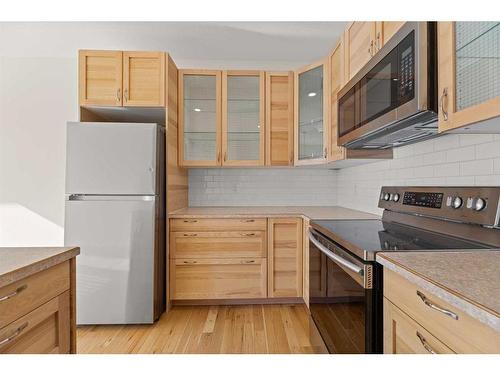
{"points": [[442, 302], [37, 300]]}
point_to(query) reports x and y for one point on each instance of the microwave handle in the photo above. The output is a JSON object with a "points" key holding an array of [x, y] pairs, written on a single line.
{"points": [[337, 259]]}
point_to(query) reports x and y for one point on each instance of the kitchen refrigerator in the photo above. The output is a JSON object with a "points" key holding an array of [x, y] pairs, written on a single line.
{"points": [[115, 213]]}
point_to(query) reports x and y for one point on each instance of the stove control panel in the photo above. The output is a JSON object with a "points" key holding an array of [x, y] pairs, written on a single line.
{"points": [[477, 205], [423, 199]]}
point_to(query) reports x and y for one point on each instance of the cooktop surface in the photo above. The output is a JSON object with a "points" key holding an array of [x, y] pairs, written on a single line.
{"points": [[370, 236]]}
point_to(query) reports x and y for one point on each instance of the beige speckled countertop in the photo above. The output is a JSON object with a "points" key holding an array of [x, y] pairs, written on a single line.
{"points": [[311, 212], [16, 263], [468, 280]]}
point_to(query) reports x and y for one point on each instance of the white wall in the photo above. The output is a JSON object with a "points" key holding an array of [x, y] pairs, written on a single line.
{"points": [[261, 187], [447, 160], [37, 97]]}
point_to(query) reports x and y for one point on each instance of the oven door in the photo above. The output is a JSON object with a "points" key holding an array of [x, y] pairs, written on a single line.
{"points": [[341, 299]]}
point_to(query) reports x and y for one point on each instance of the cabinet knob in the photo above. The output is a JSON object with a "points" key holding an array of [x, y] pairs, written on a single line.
{"points": [[118, 95], [125, 93], [249, 220], [190, 221], [248, 234]]}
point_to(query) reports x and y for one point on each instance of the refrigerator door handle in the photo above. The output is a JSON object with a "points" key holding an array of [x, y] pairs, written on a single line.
{"points": [[93, 197]]}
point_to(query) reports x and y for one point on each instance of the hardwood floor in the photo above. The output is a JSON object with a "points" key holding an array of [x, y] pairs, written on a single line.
{"points": [[210, 329]]}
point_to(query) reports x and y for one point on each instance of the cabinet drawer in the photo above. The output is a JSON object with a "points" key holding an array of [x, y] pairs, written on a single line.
{"points": [[44, 330], [219, 278], [195, 225], [218, 244], [462, 335], [25, 295], [402, 335]]}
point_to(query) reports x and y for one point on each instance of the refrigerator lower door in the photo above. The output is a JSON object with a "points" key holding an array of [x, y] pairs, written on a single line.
{"points": [[114, 275]]}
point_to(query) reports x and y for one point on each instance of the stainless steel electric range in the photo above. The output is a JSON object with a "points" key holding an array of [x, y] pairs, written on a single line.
{"points": [[345, 282]]}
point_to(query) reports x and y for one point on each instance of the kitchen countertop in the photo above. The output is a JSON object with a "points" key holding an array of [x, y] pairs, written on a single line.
{"points": [[311, 212], [16, 263], [468, 280]]}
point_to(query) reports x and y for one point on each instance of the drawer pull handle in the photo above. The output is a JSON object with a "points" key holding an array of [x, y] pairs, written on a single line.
{"points": [[249, 261], [14, 293], [425, 344], [16, 333], [190, 234], [432, 305], [248, 234], [189, 262], [249, 220], [190, 221]]}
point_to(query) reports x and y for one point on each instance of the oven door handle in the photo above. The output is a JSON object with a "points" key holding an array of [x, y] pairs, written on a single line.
{"points": [[335, 257]]}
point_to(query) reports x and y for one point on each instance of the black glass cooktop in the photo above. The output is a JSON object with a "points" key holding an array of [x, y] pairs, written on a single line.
{"points": [[370, 236]]}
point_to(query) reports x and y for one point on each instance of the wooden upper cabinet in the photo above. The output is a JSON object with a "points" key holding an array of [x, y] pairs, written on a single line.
{"points": [[279, 118], [360, 46], [385, 30], [144, 79], [200, 118], [337, 81], [469, 73], [243, 120], [100, 78], [285, 257], [311, 114]]}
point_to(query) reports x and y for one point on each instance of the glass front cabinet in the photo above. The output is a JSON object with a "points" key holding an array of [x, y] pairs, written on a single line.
{"points": [[221, 118], [311, 114], [243, 118], [469, 73]]}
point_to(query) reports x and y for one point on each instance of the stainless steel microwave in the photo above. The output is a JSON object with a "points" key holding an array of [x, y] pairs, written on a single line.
{"points": [[392, 100]]}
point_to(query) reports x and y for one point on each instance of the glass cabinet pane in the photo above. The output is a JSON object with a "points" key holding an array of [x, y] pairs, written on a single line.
{"points": [[477, 69], [200, 117], [311, 114], [243, 117]]}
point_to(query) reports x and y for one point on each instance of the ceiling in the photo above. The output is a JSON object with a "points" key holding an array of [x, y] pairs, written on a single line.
{"points": [[252, 45]]}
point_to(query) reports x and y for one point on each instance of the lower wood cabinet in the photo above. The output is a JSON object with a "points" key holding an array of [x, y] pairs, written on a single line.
{"points": [[219, 278], [235, 258], [37, 313], [285, 257], [44, 330], [218, 244], [402, 335], [416, 321]]}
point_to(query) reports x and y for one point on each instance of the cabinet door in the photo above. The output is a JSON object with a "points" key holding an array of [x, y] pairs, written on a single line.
{"points": [[402, 335], [469, 73], [243, 118], [385, 31], [144, 79], [218, 278], [279, 118], [311, 109], [200, 118], [100, 78], [285, 257], [45, 330], [360, 46], [336, 79]]}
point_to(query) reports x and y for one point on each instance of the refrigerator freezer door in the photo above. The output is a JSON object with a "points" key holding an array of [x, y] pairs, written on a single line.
{"points": [[110, 158], [114, 276]]}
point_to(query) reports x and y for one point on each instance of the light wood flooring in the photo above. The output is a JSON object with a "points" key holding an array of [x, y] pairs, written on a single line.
{"points": [[210, 329]]}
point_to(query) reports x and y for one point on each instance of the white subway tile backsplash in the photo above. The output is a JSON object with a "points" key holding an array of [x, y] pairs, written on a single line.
{"points": [[446, 160], [476, 167], [461, 153], [451, 160]]}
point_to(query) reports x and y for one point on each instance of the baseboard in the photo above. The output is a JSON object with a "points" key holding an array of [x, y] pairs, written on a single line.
{"points": [[243, 301]]}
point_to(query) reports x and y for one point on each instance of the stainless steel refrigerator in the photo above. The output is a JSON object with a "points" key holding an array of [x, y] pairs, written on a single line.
{"points": [[115, 213]]}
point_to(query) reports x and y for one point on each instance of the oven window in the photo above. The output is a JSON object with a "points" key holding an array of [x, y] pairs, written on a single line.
{"points": [[338, 305], [379, 89]]}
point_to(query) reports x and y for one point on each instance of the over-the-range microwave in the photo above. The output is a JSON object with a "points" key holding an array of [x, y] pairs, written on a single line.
{"points": [[392, 100]]}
